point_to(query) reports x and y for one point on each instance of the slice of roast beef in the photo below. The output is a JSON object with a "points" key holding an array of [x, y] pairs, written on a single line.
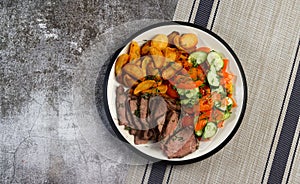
{"points": [[121, 105], [158, 109], [180, 144], [171, 125], [135, 113], [143, 136], [144, 113], [138, 138]]}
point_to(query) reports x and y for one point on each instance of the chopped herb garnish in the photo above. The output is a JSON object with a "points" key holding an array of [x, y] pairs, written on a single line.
{"points": [[127, 128], [174, 138], [199, 95], [150, 77], [229, 107], [194, 62], [137, 113]]}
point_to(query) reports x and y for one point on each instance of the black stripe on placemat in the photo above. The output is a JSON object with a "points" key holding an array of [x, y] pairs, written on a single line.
{"points": [[168, 180], [144, 176], [203, 12], [157, 173], [202, 16], [215, 14], [281, 109], [192, 11], [287, 133], [293, 158]]}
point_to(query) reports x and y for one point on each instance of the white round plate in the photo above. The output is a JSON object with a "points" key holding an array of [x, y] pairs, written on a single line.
{"points": [[206, 38]]}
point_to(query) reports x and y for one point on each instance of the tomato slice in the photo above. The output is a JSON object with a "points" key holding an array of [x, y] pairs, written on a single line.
{"points": [[172, 92]]}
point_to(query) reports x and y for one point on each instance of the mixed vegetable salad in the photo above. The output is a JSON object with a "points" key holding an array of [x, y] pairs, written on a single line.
{"points": [[205, 91]]}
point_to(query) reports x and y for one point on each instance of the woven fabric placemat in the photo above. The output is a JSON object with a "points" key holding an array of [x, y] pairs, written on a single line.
{"points": [[265, 37]]}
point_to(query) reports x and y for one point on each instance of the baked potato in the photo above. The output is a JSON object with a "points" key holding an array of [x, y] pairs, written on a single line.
{"points": [[134, 51], [121, 61], [188, 40], [133, 70], [160, 41], [157, 57]]}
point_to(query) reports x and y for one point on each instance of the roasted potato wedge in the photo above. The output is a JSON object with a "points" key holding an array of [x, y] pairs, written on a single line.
{"points": [[176, 42], [129, 81], [147, 84], [168, 73], [188, 40], [134, 51], [157, 57], [170, 53], [146, 60], [160, 41], [162, 88], [159, 89], [145, 48], [176, 66], [151, 70], [171, 37], [121, 61], [133, 70], [137, 62]]}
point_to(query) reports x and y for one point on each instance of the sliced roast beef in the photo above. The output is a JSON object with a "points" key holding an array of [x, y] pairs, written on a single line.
{"points": [[158, 109], [129, 117], [139, 139], [171, 125], [135, 114], [181, 143], [121, 106], [144, 113]]}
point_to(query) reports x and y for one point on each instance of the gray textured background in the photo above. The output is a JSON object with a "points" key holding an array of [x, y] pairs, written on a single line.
{"points": [[51, 53]]}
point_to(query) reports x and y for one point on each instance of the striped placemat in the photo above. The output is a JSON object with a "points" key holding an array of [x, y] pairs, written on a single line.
{"points": [[265, 37]]}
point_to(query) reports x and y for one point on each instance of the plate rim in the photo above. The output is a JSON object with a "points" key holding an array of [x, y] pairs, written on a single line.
{"points": [[175, 162]]}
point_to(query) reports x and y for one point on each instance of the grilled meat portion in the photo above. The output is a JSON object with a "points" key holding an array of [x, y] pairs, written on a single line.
{"points": [[155, 118], [180, 143], [158, 110]]}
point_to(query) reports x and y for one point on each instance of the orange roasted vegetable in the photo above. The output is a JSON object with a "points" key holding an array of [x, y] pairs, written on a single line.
{"points": [[145, 85], [121, 61], [134, 51]]}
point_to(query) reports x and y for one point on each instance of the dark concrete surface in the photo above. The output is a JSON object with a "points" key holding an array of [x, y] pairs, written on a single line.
{"points": [[51, 53]]}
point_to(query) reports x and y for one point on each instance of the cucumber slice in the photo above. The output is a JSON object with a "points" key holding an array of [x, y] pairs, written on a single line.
{"points": [[213, 56], [220, 106], [219, 90], [197, 58], [185, 101], [213, 79], [199, 133], [218, 63], [210, 130]]}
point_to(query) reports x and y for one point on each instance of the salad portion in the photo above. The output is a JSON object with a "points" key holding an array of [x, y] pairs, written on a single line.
{"points": [[173, 92]]}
